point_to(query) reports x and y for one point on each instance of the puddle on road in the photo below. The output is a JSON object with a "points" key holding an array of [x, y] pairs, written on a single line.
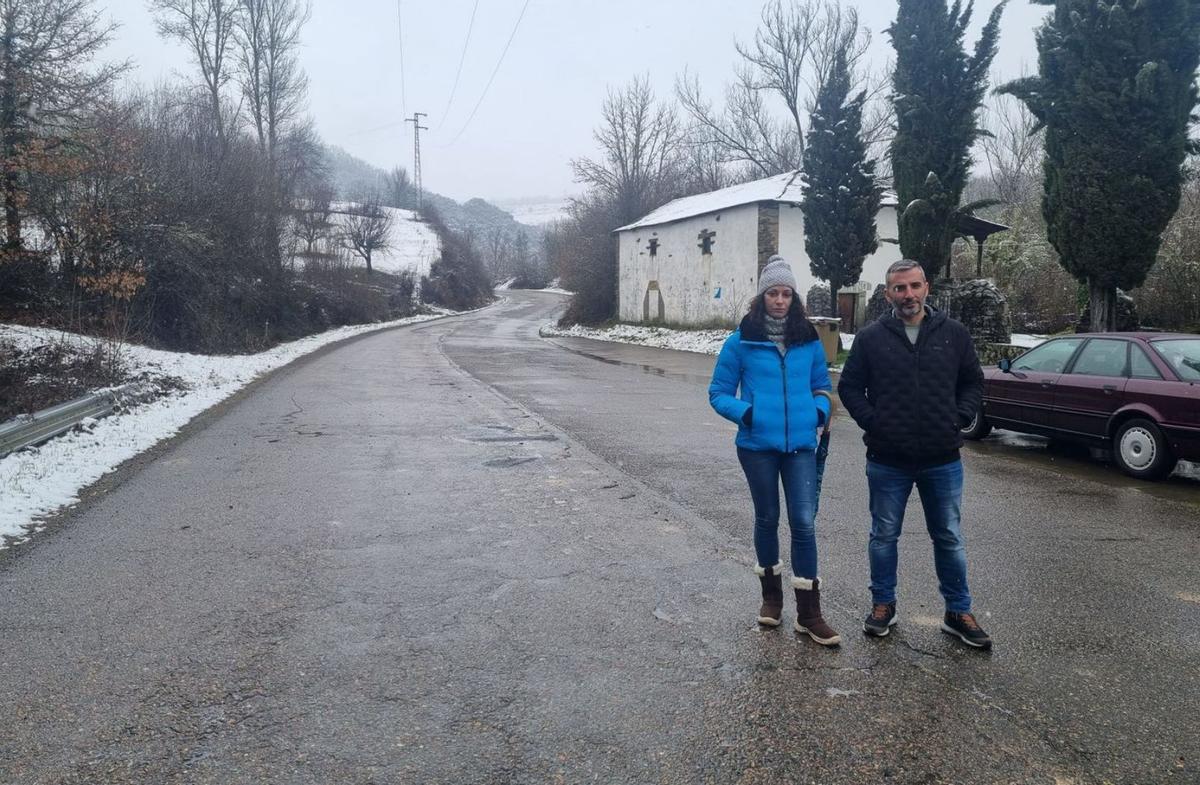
{"points": [[653, 370]]}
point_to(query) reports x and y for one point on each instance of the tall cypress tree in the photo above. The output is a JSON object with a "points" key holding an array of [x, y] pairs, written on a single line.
{"points": [[840, 197], [937, 90], [1115, 93]]}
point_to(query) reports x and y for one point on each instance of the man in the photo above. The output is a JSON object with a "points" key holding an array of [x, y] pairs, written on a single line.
{"points": [[911, 382]]}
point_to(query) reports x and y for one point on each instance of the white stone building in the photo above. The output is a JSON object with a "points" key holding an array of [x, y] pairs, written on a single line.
{"points": [[695, 260]]}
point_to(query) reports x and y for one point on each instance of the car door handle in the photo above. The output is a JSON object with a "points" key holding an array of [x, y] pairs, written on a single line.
{"points": [[1109, 389], [1047, 385]]}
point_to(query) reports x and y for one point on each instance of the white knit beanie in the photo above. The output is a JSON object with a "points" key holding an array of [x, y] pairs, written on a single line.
{"points": [[776, 273]]}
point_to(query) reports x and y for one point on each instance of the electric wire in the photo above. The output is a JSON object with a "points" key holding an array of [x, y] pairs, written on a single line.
{"points": [[493, 76], [376, 129], [462, 59]]}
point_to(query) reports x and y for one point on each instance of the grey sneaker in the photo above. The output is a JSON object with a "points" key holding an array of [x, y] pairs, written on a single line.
{"points": [[880, 620], [964, 627]]}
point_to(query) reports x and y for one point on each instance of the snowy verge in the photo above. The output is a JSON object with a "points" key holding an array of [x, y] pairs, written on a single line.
{"points": [[701, 341], [37, 482]]}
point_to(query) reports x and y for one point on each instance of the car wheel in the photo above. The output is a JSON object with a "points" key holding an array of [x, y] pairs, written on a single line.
{"points": [[978, 427], [1141, 451]]}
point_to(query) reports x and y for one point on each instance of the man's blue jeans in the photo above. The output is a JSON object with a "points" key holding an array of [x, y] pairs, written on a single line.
{"points": [[940, 488], [798, 470]]}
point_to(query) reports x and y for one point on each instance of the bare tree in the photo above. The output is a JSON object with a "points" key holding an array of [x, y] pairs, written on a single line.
{"points": [[206, 27], [704, 168], [1012, 150], [399, 188], [641, 141], [790, 58], [313, 213], [45, 48], [367, 229], [273, 84]]}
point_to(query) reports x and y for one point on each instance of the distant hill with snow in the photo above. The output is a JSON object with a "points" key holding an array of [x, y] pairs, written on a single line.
{"points": [[355, 180], [412, 244], [535, 211]]}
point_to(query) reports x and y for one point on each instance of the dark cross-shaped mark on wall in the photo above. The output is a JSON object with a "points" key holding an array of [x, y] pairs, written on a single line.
{"points": [[706, 240], [654, 246]]}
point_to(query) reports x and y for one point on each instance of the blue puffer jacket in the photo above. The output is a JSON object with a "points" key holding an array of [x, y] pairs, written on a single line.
{"points": [[779, 387]]}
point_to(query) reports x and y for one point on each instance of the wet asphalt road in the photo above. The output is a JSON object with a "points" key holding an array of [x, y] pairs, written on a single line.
{"points": [[459, 553]]}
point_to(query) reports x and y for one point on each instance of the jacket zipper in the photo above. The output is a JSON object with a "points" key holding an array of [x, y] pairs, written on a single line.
{"points": [[786, 428]]}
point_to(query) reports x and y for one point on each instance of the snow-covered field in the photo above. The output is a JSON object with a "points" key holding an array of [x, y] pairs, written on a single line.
{"points": [[534, 212], [36, 482], [412, 245]]}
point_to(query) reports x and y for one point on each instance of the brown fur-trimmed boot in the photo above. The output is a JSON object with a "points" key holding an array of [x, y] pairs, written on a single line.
{"points": [[771, 579], [808, 612]]}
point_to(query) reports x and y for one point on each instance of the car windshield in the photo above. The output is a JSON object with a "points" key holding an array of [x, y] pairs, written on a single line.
{"points": [[1183, 355]]}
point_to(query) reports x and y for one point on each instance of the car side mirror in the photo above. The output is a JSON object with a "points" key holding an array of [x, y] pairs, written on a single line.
{"points": [[1005, 365]]}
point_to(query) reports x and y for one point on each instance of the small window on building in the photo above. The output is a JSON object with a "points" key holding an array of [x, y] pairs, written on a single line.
{"points": [[654, 246], [706, 241]]}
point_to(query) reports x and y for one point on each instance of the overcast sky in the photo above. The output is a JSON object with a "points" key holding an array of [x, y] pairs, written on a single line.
{"points": [[545, 99]]}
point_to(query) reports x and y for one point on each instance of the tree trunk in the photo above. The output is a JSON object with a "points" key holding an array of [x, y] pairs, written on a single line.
{"points": [[1103, 305], [833, 299], [12, 214]]}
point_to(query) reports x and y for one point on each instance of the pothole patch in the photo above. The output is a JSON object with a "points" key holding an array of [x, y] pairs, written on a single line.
{"points": [[509, 462]]}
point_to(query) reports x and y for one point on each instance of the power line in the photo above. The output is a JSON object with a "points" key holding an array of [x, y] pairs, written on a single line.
{"points": [[462, 59], [400, 34], [376, 129], [493, 76]]}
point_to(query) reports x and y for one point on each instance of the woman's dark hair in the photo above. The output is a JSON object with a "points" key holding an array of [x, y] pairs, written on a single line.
{"points": [[798, 329]]}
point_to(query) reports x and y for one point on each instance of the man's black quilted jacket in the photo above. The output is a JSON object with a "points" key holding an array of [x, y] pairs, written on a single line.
{"points": [[911, 400]]}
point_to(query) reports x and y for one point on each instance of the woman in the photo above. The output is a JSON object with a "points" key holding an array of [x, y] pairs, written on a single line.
{"points": [[771, 380]]}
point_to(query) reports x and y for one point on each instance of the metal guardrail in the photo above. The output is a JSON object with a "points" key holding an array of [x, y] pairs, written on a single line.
{"points": [[29, 429]]}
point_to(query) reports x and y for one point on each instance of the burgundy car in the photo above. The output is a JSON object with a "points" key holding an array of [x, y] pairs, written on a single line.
{"points": [[1137, 394]]}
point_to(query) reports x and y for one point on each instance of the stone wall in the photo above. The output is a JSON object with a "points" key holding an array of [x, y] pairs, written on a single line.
{"points": [[978, 304], [768, 232], [817, 301], [992, 353], [877, 306]]}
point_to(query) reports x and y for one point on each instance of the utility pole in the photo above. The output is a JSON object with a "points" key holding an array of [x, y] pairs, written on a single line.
{"points": [[417, 128]]}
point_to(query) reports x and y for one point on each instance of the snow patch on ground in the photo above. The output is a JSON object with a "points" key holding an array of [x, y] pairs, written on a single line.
{"points": [[39, 481], [1026, 341], [700, 341]]}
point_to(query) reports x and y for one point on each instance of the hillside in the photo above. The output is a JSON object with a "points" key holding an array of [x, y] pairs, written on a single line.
{"points": [[355, 179], [412, 245]]}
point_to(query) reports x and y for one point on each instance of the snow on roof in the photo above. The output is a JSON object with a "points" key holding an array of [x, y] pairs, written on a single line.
{"points": [[778, 188]]}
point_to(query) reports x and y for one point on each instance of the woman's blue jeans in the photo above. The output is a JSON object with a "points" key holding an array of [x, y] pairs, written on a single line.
{"points": [[940, 488], [798, 471]]}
